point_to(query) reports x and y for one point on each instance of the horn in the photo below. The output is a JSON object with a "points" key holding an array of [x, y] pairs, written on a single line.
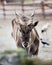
{"points": [[18, 14], [32, 16]]}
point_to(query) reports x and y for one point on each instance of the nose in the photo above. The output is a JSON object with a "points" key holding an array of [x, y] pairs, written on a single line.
{"points": [[25, 44]]}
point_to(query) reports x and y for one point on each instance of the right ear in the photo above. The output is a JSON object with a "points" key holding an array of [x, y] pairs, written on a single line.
{"points": [[32, 25]]}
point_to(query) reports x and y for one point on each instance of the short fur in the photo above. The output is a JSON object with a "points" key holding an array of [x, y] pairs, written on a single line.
{"points": [[33, 44]]}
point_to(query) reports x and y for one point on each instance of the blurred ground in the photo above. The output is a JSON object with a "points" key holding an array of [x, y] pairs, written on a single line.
{"points": [[6, 40], [8, 43]]}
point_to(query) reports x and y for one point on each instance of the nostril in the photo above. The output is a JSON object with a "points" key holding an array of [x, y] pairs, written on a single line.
{"points": [[25, 44]]}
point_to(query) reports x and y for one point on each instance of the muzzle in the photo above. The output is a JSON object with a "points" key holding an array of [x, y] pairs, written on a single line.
{"points": [[25, 44]]}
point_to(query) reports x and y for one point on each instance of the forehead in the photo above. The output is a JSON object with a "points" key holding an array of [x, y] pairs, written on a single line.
{"points": [[24, 18], [24, 26]]}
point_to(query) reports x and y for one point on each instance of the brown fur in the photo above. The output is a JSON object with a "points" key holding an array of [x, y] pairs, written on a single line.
{"points": [[14, 28], [34, 38], [35, 41]]}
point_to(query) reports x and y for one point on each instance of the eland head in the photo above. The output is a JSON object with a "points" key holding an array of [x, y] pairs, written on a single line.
{"points": [[26, 28]]}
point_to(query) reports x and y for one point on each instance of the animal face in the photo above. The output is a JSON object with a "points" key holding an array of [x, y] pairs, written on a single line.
{"points": [[26, 28], [25, 36], [26, 33]]}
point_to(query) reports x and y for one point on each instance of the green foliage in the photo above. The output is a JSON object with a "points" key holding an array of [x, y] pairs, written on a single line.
{"points": [[26, 61], [8, 52], [27, 0], [35, 61], [20, 50], [21, 58]]}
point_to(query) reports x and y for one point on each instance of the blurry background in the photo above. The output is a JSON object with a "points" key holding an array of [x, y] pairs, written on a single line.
{"points": [[41, 7], [43, 13]]}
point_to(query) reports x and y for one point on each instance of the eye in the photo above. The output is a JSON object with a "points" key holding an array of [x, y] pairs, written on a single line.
{"points": [[29, 29], [22, 31]]}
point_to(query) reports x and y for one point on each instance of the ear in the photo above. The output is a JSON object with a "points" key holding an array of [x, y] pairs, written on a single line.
{"points": [[35, 24], [31, 25]]}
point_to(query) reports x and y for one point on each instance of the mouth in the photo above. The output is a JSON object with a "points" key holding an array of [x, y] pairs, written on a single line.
{"points": [[25, 44]]}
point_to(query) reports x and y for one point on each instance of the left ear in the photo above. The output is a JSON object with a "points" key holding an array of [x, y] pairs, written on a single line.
{"points": [[35, 24], [32, 25]]}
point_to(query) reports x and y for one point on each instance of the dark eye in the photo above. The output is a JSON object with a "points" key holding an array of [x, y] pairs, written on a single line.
{"points": [[22, 31], [29, 29]]}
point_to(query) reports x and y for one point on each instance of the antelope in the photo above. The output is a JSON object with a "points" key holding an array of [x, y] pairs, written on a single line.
{"points": [[26, 34]]}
